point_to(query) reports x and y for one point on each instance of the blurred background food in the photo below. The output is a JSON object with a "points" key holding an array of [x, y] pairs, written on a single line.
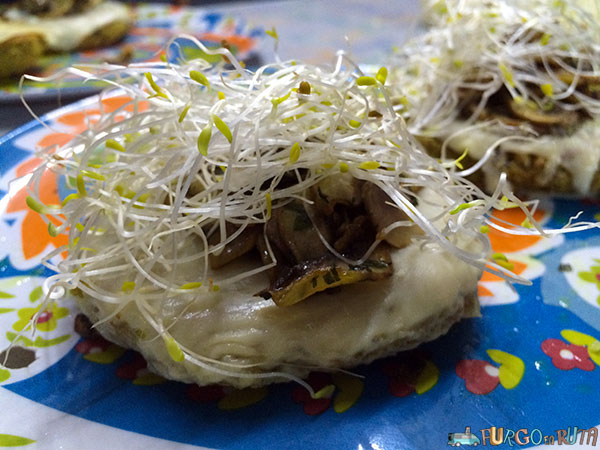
{"points": [[309, 30], [32, 28]]}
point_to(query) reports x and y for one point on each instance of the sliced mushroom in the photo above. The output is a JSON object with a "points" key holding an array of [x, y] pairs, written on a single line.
{"points": [[341, 189], [241, 245], [539, 117], [592, 90], [267, 257], [195, 188], [295, 230], [497, 108], [46, 8], [292, 231], [568, 77], [84, 5], [303, 280], [382, 215], [352, 232], [491, 114]]}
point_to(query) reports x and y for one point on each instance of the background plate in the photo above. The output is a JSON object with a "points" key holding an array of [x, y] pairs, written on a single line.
{"points": [[529, 362], [155, 25]]}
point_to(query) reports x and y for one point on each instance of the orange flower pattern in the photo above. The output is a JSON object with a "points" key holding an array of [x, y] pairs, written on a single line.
{"points": [[35, 239], [519, 250]]}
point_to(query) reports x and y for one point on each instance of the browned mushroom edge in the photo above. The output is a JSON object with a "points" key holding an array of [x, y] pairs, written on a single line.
{"points": [[53, 8], [349, 214], [545, 119]]}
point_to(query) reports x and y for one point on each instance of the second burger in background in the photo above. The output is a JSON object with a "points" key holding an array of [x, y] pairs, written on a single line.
{"points": [[31, 28]]}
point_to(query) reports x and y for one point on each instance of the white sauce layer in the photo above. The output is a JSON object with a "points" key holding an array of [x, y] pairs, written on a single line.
{"points": [[419, 302], [578, 153]]}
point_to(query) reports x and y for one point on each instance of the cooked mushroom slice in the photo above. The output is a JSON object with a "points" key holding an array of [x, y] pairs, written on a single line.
{"points": [[496, 109], [83, 5], [568, 77], [491, 114], [305, 279], [46, 8], [267, 258], [292, 231], [236, 248], [341, 189], [383, 214], [432, 145], [592, 90], [537, 116], [468, 100], [353, 231]]}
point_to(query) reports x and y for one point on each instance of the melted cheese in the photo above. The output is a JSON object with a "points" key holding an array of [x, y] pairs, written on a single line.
{"points": [[11, 30], [426, 294], [66, 33], [578, 153]]}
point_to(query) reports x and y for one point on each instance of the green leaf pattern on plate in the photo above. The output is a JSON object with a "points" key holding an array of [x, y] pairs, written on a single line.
{"points": [[35, 294], [593, 276], [47, 320], [39, 342]]}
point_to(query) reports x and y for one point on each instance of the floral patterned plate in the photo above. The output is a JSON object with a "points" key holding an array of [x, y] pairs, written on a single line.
{"points": [[529, 363], [155, 25]]}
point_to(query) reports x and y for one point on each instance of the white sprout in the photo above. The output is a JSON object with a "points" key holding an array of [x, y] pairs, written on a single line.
{"points": [[537, 50], [197, 146]]}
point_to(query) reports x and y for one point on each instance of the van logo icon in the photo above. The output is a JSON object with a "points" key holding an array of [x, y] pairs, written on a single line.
{"points": [[466, 438]]}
